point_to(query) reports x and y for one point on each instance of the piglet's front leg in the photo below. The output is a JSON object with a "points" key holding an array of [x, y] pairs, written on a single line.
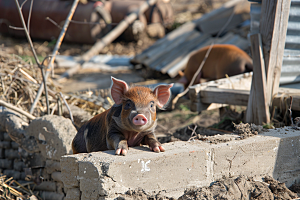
{"points": [[153, 144], [118, 142]]}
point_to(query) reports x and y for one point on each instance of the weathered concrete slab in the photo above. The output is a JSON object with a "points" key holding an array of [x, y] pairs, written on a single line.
{"points": [[184, 164], [53, 135]]}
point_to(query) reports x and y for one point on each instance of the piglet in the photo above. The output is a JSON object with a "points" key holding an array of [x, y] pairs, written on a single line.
{"points": [[223, 59], [129, 122]]}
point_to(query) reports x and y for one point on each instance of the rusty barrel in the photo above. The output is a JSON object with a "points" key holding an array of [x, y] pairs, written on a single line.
{"points": [[101, 16], [41, 28]]}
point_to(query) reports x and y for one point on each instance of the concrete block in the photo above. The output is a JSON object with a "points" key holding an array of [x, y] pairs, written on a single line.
{"points": [[52, 166], [1, 133], [6, 137], [22, 176], [11, 154], [5, 144], [70, 171], [106, 174], [73, 194], [60, 188], [51, 195], [46, 186], [54, 135], [287, 163], [253, 156], [6, 164], [14, 145], [19, 165], [185, 164], [12, 173], [1, 153], [56, 176]]}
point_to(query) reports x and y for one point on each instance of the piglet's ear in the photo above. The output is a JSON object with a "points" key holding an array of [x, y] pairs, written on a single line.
{"points": [[118, 89], [163, 94]]}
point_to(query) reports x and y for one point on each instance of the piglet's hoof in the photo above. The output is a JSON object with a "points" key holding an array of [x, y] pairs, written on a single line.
{"points": [[158, 149], [121, 152]]}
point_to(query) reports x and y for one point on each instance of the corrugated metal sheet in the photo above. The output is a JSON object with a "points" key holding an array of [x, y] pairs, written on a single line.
{"points": [[290, 71]]}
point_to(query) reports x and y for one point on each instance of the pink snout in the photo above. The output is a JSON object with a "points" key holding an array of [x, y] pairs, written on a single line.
{"points": [[139, 120]]}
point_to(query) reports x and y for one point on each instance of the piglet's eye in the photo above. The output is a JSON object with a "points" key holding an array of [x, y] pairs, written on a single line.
{"points": [[152, 104], [128, 104]]}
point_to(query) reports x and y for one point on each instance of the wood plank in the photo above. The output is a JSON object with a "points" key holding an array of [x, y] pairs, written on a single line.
{"points": [[273, 27], [224, 96], [211, 98], [258, 106], [239, 82]]}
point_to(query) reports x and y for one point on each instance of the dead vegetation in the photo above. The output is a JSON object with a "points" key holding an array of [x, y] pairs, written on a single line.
{"points": [[11, 189], [20, 81]]}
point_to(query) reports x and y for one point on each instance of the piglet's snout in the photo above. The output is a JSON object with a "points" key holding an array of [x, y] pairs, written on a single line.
{"points": [[139, 120]]}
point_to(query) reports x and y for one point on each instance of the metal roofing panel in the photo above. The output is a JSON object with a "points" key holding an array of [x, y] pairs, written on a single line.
{"points": [[290, 71]]}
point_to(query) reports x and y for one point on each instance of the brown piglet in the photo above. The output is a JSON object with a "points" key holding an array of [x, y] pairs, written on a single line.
{"points": [[129, 122], [223, 59]]}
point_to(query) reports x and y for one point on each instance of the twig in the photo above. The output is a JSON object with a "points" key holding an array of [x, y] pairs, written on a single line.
{"points": [[226, 75], [59, 106], [23, 4], [53, 22], [55, 50], [28, 76], [10, 106], [193, 133], [112, 35], [34, 53], [18, 78], [29, 17], [202, 63], [16, 28], [71, 116], [53, 109], [290, 110], [26, 32]]}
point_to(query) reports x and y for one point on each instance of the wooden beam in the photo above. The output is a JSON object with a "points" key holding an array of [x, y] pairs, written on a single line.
{"points": [[273, 27], [239, 82], [224, 96], [258, 107]]}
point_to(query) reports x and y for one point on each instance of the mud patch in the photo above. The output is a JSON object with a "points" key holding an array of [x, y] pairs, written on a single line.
{"points": [[245, 130], [213, 135], [242, 188], [227, 189]]}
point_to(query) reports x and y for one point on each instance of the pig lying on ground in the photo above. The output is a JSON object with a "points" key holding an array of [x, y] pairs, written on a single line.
{"points": [[223, 59], [129, 122]]}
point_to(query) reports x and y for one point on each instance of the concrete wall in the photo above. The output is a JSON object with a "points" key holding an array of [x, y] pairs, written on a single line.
{"points": [[102, 175], [31, 152], [38, 151]]}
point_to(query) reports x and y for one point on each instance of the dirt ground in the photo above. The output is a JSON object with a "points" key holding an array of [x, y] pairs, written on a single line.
{"points": [[229, 189]]}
